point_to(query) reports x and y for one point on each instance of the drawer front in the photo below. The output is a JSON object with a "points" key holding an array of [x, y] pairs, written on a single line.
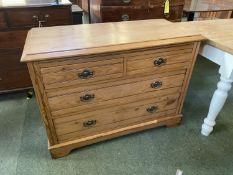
{"points": [[91, 95], [124, 3], [175, 14], [114, 102], [81, 73], [158, 12], [140, 2], [3, 24], [14, 79], [13, 74], [56, 16], [166, 59], [10, 59], [23, 17], [131, 13], [13, 39], [30, 17], [91, 123], [123, 14]]}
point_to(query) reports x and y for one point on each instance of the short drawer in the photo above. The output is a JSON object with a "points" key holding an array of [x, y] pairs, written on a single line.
{"points": [[92, 94], [73, 73], [23, 17], [55, 16], [132, 13], [3, 24], [175, 13], [124, 3], [123, 13], [166, 59], [87, 124]]}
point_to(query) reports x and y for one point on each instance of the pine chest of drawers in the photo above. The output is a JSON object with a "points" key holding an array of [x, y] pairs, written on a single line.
{"points": [[96, 87]]}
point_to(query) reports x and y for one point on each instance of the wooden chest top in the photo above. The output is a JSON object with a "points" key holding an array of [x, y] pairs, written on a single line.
{"points": [[67, 41]]}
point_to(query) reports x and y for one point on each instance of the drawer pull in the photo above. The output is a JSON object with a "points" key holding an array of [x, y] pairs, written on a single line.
{"points": [[157, 84], [89, 123], [87, 97], [160, 62], [35, 17], [152, 109], [126, 1], [125, 17], [86, 74], [46, 16]]}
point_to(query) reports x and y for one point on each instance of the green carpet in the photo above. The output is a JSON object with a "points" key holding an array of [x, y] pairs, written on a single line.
{"points": [[159, 151]]}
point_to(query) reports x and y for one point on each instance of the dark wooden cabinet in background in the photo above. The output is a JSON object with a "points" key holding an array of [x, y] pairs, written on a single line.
{"points": [[15, 21], [125, 10]]}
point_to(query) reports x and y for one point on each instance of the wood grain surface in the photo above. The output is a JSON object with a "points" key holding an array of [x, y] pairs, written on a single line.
{"points": [[219, 32], [148, 93], [47, 43]]}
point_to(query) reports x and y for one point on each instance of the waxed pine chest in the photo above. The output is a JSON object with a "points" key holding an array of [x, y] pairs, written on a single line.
{"points": [[98, 88]]}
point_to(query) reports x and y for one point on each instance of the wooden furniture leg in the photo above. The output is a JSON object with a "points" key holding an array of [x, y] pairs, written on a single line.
{"points": [[225, 61], [216, 105]]}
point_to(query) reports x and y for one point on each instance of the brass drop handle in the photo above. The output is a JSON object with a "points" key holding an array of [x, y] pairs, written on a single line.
{"points": [[157, 84], [35, 17], [86, 74], [46, 16], [152, 109], [160, 62], [89, 123], [126, 1], [87, 97], [125, 17]]}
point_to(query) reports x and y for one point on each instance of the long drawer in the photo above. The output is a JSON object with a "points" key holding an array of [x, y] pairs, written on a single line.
{"points": [[84, 124], [30, 17], [132, 13], [16, 75], [114, 102], [90, 94], [139, 2], [22, 17], [14, 79], [13, 39], [11, 57]]}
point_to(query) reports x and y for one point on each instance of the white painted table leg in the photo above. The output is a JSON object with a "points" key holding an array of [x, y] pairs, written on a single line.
{"points": [[217, 103], [225, 61]]}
